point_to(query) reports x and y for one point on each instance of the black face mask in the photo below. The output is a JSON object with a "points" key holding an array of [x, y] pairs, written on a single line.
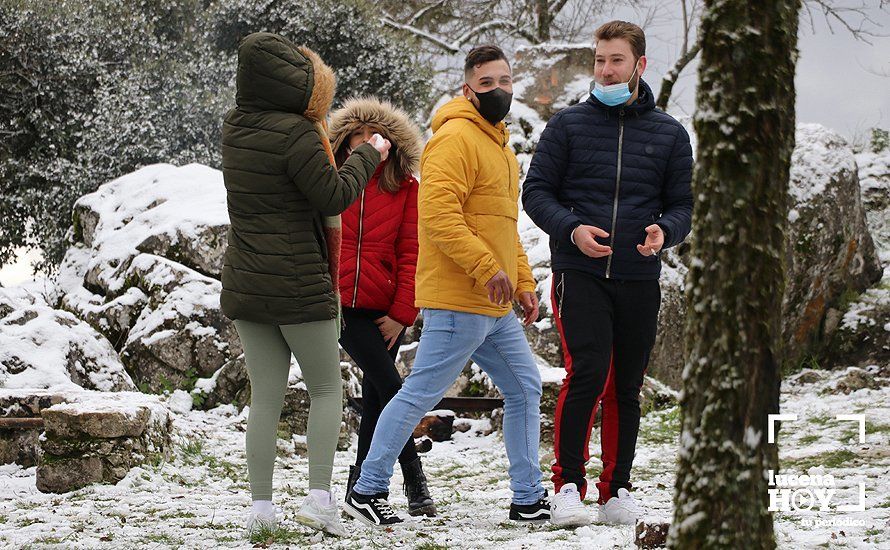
{"points": [[493, 104]]}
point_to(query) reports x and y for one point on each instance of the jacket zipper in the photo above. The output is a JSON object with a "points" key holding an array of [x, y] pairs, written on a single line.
{"points": [[617, 190], [509, 171], [358, 256]]}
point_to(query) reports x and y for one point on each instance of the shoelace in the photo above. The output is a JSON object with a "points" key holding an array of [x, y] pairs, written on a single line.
{"points": [[385, 509]]}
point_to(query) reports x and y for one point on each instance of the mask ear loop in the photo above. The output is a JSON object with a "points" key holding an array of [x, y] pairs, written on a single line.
{"points": [[636, 66]]}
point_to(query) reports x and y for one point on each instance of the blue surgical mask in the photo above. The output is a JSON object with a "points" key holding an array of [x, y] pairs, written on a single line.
{"points": [[613, 94]]}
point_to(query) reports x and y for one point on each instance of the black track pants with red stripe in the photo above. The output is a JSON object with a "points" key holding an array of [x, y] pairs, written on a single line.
{"points": [[607, 328]]}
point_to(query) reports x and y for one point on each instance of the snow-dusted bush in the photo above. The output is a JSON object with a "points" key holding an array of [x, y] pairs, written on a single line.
{"points": [[96, 89]]}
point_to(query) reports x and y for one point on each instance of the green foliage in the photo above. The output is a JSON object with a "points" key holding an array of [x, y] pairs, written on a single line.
{"points": [[93, 90], [880, 140]]}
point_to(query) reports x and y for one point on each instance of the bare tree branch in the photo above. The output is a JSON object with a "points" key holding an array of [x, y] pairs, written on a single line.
{"points": [[882, 72], [667, 83], [862, 30], [425, 10], [557, 6], [455, 45]]}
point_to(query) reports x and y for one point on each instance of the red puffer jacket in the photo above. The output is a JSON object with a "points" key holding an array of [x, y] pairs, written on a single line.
{"points": [[379, 253]]}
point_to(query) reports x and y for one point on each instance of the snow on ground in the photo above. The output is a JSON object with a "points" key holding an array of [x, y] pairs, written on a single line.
{"points": [[198, 498]]}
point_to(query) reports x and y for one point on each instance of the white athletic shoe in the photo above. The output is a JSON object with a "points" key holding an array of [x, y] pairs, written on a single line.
{"points": [[318, 516], [566, 508], [262, 522], [623, 509]]}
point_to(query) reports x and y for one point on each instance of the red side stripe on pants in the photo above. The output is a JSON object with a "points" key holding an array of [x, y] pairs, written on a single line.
{"points": [[563, 391], [610, 446], [609, 434]]}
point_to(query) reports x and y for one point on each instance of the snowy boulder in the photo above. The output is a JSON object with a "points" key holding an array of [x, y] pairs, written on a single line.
{"points": [[42, 347], [855, 379], [182, 334], [176, 212], [144, 272], [863, 336], [550, 77], [830, 252], [99, 437], [668, 353], [874, 179], [227, 386]]}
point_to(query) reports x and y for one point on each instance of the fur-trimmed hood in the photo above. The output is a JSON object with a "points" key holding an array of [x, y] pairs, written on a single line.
{"points": [[392, 123], [274, 74]]}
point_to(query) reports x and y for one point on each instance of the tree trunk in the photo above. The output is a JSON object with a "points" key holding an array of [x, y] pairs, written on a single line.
{"points": [[745, 128], [545, 20]]}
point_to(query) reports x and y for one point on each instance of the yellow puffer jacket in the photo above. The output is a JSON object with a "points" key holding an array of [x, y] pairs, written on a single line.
{"points": [[468, 207]]}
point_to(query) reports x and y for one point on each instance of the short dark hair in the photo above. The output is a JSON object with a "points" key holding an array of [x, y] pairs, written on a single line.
{"points": [[482, 54], [625, 31]]}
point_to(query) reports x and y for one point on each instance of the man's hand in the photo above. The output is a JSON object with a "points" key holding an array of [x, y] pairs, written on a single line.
{"points": [[500, 289], [529, 303], [585, 239], [390, 329], [654, 241]]}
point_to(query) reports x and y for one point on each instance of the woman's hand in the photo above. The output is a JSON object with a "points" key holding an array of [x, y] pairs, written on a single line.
{"points": [[381, 144], [390, 329]]}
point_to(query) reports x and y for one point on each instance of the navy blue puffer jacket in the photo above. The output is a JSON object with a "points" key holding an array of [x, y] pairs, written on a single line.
{"points": [[618, 168]]}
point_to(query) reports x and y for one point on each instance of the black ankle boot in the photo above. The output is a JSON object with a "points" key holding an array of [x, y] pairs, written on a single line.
{"points": [[354, 473], [419, 501]]}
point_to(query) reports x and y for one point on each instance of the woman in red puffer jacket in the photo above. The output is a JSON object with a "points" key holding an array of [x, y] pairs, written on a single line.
{"points": [[377, 265]]}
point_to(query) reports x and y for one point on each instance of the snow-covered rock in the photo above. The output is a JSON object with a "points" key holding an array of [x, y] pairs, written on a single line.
{"points": [[550, 77], [830, 252], [176, 212], [98, 437], [42, 347], [863, 337], [81, 436], [144, 272]]}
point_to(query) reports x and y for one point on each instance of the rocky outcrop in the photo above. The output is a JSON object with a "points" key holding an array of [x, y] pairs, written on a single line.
{"points": [[863, 336], [830, 252], [550, 77], [42, 347], [144, 269], [99, 438]]}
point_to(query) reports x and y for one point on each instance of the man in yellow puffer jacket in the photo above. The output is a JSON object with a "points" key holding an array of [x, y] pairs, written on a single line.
{"points": [[468, 211], [470, 267]]}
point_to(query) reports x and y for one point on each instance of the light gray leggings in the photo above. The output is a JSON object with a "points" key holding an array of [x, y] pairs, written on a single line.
{"points": [[267, 351]]}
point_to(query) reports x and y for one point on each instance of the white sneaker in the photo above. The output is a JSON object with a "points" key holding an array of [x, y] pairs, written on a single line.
{"points": [[623, 509], [318, 516], [566, 508], [257, 523]]}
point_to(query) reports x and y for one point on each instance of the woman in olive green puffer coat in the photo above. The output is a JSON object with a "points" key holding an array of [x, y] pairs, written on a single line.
{"points": [[281, 187]]}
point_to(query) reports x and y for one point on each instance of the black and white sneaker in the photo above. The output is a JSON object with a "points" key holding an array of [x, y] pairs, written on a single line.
{"points": [[371, 509], [537, 512]]}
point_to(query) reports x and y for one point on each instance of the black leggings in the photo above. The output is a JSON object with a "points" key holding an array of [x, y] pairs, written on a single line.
{"points": [[380, 379]]}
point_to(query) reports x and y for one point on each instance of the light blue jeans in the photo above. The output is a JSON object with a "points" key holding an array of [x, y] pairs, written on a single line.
{"points": [[448, 341]]}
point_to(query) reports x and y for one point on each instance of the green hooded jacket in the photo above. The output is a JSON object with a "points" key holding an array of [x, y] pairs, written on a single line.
{"points": [[280, 185]]}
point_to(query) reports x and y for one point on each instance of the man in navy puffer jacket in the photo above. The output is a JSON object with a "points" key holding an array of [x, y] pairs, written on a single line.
{"points": [[610, 183]]}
